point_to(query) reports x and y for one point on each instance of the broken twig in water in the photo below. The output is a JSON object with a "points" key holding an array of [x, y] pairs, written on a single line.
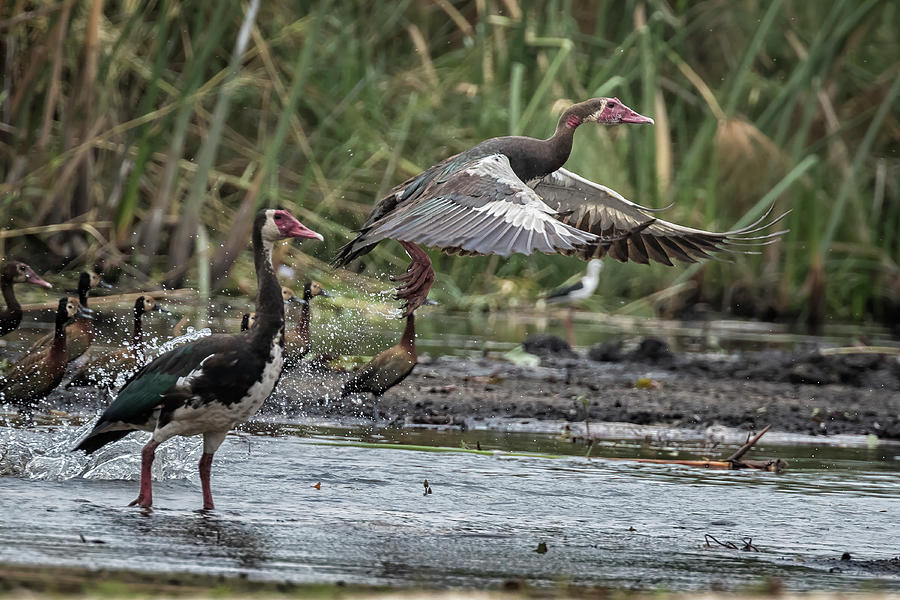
{"points": [[747, 541], [731, 463], [736, 457]]}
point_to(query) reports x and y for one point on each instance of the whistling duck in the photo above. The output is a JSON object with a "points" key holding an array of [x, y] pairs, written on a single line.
{"points": [[209, 385], [511, 195], [248, 320], [297, 341], [583, 289], [122, 362], [15, 272], [80, 334], [387, 368], [38, 373]]}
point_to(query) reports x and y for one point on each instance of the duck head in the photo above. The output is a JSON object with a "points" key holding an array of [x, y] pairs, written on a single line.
{"points": [[19, 272], [288, 295], [94, 280], [280, 224], [145, 304], [314, 288], [607, 111], [70, 307]]}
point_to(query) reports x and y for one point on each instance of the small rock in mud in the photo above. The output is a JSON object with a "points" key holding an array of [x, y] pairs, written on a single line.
{"points": [[884, 567], [607, 352], [653, 350], [548, 345]]}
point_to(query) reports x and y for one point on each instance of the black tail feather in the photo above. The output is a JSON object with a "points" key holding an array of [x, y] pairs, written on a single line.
{"points": [[350, 251], [95, 441]]}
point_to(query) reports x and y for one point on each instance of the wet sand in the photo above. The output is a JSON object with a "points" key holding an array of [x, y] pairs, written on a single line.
{"points": [[804, 393]]}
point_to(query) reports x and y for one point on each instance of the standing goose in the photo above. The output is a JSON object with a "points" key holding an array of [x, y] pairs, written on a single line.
{"points": [[38, 373], [511, 195], [212, 384], [80, 334], [122, 362], [297, 341], [582, 289], [15, 272]]}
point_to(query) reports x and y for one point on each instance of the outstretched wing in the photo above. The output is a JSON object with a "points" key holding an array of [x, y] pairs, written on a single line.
{"points": [[592, 207], [482, 208]]}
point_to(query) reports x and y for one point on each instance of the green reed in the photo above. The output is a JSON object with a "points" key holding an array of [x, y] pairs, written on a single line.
{"points": [[164, 127]]}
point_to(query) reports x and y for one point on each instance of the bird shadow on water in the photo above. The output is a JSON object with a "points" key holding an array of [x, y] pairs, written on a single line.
{"points": [[215, 537]]}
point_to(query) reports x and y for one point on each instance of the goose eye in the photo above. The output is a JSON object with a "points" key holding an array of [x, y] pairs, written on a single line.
{"points": [[612, 105], [277, 217]]}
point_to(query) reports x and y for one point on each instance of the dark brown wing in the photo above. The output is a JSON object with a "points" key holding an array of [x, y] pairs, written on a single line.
{"points": [[592, 207], [482, 208]]}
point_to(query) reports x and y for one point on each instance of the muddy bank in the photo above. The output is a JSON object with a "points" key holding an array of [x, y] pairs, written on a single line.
{"points": [[648, 385], [18, 581]]}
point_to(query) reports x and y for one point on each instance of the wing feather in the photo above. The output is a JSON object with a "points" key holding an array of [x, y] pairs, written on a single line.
{"points": [[481, 208], [592, 207]]}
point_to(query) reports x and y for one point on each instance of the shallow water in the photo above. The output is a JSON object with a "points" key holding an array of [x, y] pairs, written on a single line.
{"points": [[368, 329], [604, 522]]}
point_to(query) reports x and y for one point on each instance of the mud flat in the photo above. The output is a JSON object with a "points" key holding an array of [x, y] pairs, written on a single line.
{"points": [[804, 393], [808, 393]]}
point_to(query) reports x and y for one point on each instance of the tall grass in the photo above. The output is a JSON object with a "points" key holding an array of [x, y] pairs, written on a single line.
{"points": [[149, 117]]}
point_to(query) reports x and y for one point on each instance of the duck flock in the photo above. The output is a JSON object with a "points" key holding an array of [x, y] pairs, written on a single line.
{"points": [[505, 195]]}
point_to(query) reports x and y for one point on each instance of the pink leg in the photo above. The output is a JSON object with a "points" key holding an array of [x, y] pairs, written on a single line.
{"points": [[419, 278], [145, 497], [205, 469]]}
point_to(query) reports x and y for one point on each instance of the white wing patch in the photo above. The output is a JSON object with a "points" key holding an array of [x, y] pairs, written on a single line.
{"points": [[185, 382]]}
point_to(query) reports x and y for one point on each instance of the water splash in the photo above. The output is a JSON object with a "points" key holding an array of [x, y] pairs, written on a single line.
{"points": [[190, 336], [46, 454]]}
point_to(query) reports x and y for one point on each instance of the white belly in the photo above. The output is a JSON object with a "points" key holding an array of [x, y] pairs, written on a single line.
{"points": [[219, 417]]}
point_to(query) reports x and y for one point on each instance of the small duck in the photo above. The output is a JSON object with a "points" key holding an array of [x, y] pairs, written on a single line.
{"points": [[38, 373], [15, 272], [80, 334], [103, 370], [388, 368], [297, 341]]}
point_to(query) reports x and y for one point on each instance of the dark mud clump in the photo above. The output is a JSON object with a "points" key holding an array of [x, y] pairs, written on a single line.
{"points": [[889, 567], [548, 345], [862, 369]]}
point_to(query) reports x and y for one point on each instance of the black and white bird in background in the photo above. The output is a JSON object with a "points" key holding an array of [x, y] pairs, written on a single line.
{"points": [[583, 289]]}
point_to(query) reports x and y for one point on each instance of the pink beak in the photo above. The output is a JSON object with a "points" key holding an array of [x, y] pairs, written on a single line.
{"points": [[635, 118], [32, 277], [299, 230]]}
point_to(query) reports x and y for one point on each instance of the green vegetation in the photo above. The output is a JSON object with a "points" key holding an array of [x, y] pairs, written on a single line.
{"points": [[149, 134]]}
